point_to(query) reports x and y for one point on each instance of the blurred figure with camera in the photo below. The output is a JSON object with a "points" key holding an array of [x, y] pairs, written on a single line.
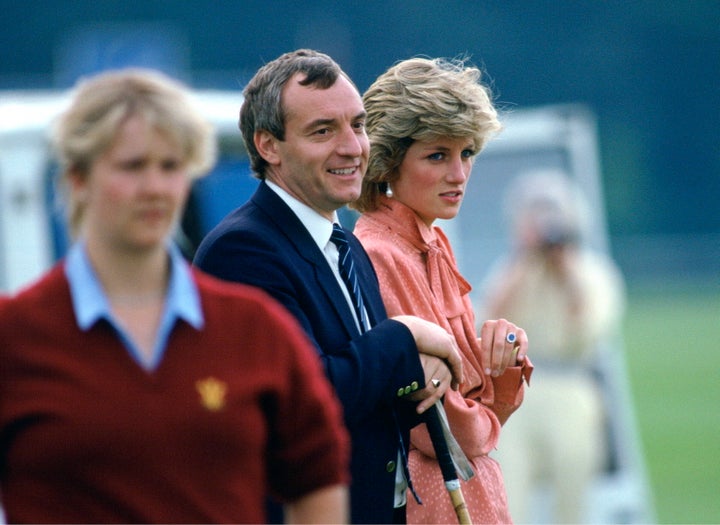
{"points": [[569, 299]]}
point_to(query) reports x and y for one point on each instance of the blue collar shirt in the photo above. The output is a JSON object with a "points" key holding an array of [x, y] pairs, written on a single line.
{"points": [[91, 304]]}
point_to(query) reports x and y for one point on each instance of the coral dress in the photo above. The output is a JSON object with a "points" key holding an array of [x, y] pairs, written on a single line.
{"points": [[418, 275]]}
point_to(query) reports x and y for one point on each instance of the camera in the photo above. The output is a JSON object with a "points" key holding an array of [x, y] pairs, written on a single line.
{"points": [[557, 235]]}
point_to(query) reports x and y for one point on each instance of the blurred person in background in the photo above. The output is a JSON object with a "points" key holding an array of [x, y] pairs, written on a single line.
{"points": [[134, 388], [427, 120], [570, 300]]}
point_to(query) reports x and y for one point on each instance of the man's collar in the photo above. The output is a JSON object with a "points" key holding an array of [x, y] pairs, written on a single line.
{"points": [[318, 226]]}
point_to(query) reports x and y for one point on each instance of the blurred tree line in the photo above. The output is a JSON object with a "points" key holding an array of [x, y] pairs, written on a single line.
{"points": [[649, 69]]}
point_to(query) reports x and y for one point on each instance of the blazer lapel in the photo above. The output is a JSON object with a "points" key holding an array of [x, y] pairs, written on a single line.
{"points": [[289, 226]]}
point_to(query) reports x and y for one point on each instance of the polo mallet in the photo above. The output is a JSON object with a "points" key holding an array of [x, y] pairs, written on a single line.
{"points": [[451, 459]]}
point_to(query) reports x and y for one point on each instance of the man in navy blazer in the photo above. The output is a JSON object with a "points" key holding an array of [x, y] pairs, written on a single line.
{"points": [[304, 127]]}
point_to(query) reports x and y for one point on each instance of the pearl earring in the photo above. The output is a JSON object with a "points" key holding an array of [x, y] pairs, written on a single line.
{"points": [[388, 191]]}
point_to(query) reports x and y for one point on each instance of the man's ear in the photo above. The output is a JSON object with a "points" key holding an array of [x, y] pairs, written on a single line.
{"points": [[266, 144]]}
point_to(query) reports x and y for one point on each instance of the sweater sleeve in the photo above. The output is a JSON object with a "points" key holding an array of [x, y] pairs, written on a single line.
{"points": [[309, 446]]}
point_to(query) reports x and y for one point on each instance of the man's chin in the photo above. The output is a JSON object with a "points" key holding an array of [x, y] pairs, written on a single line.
{"points": [[347, 196], [350, 200]]}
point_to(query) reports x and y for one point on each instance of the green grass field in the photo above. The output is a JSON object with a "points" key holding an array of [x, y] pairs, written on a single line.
{"points": [[672, 342]]}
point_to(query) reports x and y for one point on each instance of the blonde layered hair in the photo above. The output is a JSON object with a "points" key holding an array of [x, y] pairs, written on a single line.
{"points": [[421, 99], [103, 103]]}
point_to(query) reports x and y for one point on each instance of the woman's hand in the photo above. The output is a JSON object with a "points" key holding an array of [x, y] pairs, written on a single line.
{"points": [[503, 344]]}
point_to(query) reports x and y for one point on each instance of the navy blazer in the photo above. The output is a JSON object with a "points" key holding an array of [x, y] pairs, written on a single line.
{"points": [[263, 243]]}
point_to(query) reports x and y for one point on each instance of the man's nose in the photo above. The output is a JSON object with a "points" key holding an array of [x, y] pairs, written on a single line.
{"points": [[352, 143]]}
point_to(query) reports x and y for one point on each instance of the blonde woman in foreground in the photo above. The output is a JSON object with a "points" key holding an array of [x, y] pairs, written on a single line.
{"points": [[134, 388]]}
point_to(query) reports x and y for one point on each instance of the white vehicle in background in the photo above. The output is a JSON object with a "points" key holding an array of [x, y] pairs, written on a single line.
{"points": [[33, 235], [32, 229]]}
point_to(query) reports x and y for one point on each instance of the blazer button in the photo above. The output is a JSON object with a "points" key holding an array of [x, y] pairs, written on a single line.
{"points": [[390, 467]]}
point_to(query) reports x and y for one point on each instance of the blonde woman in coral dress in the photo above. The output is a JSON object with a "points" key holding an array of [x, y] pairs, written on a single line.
{"points": [[427, 119]]}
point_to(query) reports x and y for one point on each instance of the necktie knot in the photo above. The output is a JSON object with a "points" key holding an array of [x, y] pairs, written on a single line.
{"points": [[338, 237]]}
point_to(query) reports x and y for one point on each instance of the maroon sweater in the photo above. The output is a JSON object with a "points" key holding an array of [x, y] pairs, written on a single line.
{"points": [[233, 412]]}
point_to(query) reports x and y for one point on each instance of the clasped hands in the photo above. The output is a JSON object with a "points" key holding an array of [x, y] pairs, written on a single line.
{"points": [[440, 357]]}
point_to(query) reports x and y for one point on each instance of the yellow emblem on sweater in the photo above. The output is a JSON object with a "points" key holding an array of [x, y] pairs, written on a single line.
{"points": [[212, 393]]}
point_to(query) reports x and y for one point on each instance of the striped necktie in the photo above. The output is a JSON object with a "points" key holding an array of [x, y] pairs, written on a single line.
{"points": [[348, 273]]}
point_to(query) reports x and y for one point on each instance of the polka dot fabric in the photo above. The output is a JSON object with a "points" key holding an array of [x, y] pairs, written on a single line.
{"points": [[418, 275]]}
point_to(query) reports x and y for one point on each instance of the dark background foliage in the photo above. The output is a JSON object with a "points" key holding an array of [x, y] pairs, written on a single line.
{"points": [[649, 69]]}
